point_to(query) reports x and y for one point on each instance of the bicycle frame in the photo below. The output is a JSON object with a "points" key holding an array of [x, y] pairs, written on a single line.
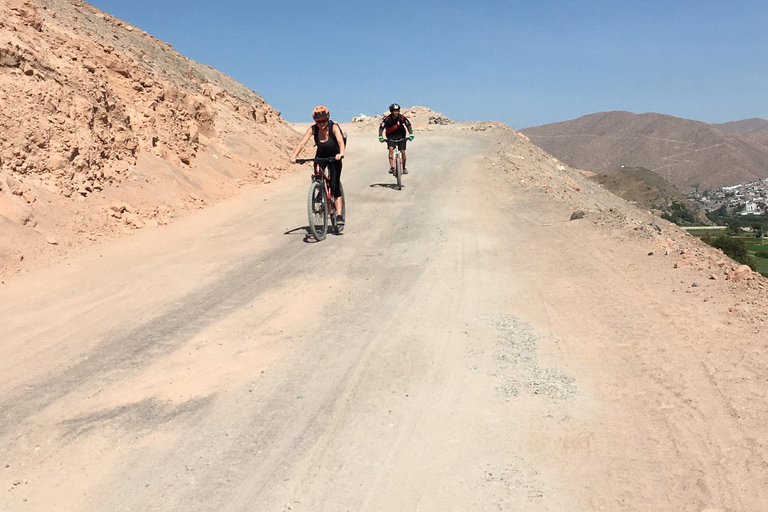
{"points": [[321, 174], [397, 154]]}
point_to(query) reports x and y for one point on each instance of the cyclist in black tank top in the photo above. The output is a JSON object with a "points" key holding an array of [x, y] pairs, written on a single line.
{"points": [[330, 143]]}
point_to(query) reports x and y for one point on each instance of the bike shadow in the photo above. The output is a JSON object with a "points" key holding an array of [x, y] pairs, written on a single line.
{"points": [[392, 186], [308, 238]]}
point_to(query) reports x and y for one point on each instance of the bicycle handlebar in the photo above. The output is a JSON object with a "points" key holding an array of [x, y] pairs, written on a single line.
{"points": [[323, 160], [395, 140]]}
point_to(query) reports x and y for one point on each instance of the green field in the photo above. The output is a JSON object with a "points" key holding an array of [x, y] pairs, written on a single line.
{"points": [[755, 246]]}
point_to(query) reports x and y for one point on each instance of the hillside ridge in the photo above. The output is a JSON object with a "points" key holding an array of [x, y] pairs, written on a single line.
{"points": [[689, 154], [108, 129]]}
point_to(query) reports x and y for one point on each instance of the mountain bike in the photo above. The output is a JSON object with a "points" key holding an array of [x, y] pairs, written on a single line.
{"points": [[320, 203], [397, 158]]}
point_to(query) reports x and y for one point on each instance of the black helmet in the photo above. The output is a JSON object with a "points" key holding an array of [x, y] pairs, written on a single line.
{"points": [[394, 107]]}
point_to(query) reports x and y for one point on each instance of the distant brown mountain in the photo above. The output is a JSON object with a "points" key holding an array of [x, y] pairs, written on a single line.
{"points": [[688, 154], [744, 126]]}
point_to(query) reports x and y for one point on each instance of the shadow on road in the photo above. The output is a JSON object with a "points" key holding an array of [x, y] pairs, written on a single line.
{"points": [[304, 230], [392, 186], [308, 238]]}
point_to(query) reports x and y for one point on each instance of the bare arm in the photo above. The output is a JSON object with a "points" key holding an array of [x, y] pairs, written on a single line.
{"points": [[301, 145]]}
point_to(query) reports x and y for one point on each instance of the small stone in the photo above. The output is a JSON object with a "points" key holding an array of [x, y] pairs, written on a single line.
{"points": [[695, 285], [578, 214]]}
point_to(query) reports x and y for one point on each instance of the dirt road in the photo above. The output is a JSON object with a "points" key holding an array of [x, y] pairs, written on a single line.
{"points": [[462, 346]]}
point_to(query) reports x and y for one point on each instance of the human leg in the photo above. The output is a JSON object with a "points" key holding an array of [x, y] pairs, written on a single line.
{"points": [[338, 200], [402, 146]]}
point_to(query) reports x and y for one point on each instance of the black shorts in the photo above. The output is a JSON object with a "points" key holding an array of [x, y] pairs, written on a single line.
{"points": [[391, 143]]}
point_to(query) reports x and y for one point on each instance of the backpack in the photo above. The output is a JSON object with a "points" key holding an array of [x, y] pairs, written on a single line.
{"points": [[330, 132]]}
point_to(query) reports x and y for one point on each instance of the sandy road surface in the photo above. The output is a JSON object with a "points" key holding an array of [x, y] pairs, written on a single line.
{"points": [[461, 347]]}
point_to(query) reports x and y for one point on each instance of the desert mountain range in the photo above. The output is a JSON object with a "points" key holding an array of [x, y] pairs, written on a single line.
{"points": [[744, 126], [689, 154]]}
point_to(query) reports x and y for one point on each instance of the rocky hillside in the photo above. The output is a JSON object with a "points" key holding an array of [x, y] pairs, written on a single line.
{"points": [[105, 129], [418, 116], [688, 154], [652, 192], [529, 167]]}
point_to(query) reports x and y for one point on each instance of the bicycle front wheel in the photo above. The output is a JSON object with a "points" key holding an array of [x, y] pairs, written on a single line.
{"points": [[318, 211], [399, 171]]}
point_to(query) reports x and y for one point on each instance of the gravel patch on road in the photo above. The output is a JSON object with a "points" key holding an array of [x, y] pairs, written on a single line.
{"points": [[518, 346]]}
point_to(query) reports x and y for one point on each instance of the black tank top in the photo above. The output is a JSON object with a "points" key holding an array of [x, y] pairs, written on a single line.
{"points": [[328, 148]]}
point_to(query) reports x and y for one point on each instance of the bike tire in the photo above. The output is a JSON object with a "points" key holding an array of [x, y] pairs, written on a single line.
{"points": [[317, 207], [399, 171], [332, 213], [339, 228]]}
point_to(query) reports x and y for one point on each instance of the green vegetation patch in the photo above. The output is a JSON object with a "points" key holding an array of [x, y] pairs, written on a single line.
{"points": [[759, 249], [743, 249], [702, 231]]}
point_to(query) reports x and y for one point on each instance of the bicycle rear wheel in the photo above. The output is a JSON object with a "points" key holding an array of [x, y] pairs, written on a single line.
{"points": [[340, 227], [399, 171], [318, 211]]}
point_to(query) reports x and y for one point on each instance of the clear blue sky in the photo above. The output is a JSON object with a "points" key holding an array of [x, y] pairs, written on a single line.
{"points": [[525, 63]]}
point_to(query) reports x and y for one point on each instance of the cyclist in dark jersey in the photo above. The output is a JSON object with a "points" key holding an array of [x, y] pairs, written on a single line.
{"points": [[330, 143], [395, 125]]}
